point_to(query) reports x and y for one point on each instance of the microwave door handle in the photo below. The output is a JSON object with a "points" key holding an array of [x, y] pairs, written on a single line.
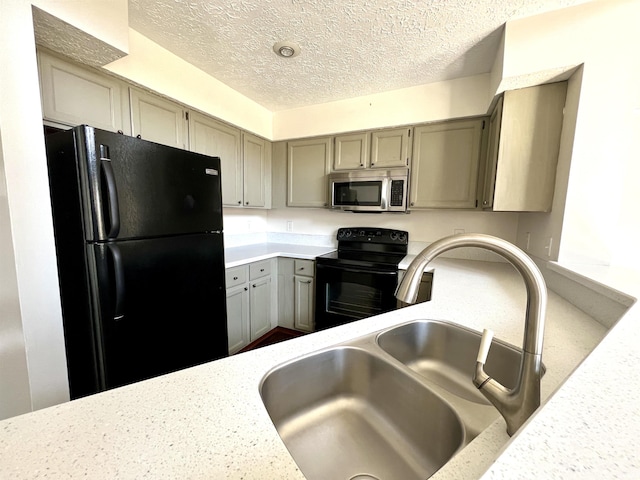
{"points": [[386, 189]]}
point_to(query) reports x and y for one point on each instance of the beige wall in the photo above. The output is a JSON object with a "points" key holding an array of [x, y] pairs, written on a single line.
{"points": [[426, 103]]}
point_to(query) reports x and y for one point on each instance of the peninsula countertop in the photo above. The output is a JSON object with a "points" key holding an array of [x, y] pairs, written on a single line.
{"points": [[209, 421]]}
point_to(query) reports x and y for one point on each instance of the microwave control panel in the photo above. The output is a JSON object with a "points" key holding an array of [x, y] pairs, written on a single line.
{"points": [[397, 193]]}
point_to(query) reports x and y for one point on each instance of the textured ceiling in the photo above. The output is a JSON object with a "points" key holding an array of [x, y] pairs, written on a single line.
{"points": [[348, 48]]}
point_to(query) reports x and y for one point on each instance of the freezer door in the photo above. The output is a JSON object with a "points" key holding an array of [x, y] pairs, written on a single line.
{"points": [[140, 189], [160, 306]]}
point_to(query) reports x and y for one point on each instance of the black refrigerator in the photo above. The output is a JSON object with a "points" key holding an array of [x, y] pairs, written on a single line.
{"points": [[139, 244]]}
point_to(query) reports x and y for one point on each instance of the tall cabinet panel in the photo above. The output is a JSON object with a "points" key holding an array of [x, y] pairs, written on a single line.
{"points": [[210, 137], [257, 171], [72, 95], [157, 120]]}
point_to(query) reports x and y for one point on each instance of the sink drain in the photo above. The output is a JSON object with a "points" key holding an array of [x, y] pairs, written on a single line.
{"points": [[364, 476]]}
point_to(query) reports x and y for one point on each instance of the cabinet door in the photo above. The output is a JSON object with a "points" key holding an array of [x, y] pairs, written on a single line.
{"points": [[308, 163], [260, 299], [528, 149], [157, 120], [286, 292], [445, 164], [257, 171], [351, 151], [390, 148], [238, 318], [304, 288], [73, 95], [213, 138], [492, 155]]}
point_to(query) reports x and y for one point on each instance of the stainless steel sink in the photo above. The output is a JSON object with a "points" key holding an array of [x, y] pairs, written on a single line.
{"points": [[394, 404], [445, 354], [346, 413]]}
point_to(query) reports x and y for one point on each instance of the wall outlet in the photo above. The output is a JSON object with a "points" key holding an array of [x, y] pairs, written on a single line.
{"points": [[528, 241], [289, 226], [458, 231], [549, 246]]}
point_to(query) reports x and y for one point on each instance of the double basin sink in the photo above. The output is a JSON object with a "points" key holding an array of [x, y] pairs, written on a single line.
{"points": [[394, 404]]}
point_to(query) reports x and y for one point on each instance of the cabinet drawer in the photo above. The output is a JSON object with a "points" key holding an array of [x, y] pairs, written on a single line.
{"points": [[236, 276], [260, 269], [303, 267]]}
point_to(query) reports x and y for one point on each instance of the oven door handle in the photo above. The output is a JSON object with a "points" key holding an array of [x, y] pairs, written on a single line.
{"points": [[357, 270]]}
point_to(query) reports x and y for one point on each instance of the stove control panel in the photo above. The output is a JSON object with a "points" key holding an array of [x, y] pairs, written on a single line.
{"points": [[373, 235]]}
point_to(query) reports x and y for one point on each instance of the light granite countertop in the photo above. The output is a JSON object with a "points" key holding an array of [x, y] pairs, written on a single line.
{"points": [[209, 421], [241, 255]]}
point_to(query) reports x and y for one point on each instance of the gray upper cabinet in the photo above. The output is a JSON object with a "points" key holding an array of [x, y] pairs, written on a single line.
{"points": [[308, 163], [523, 147], [256, 154], [73, 95], [444, 169], [390, 148], [245, 160], [378, 149], [158, 120], [351, 151], [210, 137]]}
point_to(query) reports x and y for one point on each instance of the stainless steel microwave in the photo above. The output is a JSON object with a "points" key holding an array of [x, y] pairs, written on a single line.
{"points": [[369, 190]]}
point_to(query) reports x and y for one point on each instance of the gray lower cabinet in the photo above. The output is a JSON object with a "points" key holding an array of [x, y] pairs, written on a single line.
{"points": [[238, 318], [249, 303], [304, 295], [296, 292]]}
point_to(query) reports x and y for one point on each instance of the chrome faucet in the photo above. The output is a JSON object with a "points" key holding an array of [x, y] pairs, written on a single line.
{"points": [[515, 405]]}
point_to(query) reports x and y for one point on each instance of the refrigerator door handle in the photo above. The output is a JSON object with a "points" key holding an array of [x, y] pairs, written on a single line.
{"points": [[114, 212], [118, 275]]}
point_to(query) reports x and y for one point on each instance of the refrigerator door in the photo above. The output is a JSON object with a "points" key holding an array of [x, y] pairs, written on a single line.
{"points": [[139, 189], [160, 306]]}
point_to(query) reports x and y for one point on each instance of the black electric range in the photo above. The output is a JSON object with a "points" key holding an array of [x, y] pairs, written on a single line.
{"points": [[360, 278]]}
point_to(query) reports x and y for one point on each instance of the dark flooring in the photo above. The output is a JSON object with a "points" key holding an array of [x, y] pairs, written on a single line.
{"points": [[278, 334]]}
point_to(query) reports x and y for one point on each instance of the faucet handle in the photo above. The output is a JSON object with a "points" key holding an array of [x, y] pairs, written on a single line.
{"points": [[485, 345]]}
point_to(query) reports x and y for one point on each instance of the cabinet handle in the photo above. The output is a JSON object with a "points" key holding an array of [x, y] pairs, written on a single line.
{"points": [[262, 270], [235, 278], [245, 289], [308, 281], [372, 164], [239, 202], [412, 204], [254, 285], [485, 202], [246, 203]]}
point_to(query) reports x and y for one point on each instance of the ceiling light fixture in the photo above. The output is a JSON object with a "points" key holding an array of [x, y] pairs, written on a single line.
{"points": [[286, 49]]}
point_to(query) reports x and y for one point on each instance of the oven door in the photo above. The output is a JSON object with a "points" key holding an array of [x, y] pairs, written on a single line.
{"points": [[345, 294]]}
